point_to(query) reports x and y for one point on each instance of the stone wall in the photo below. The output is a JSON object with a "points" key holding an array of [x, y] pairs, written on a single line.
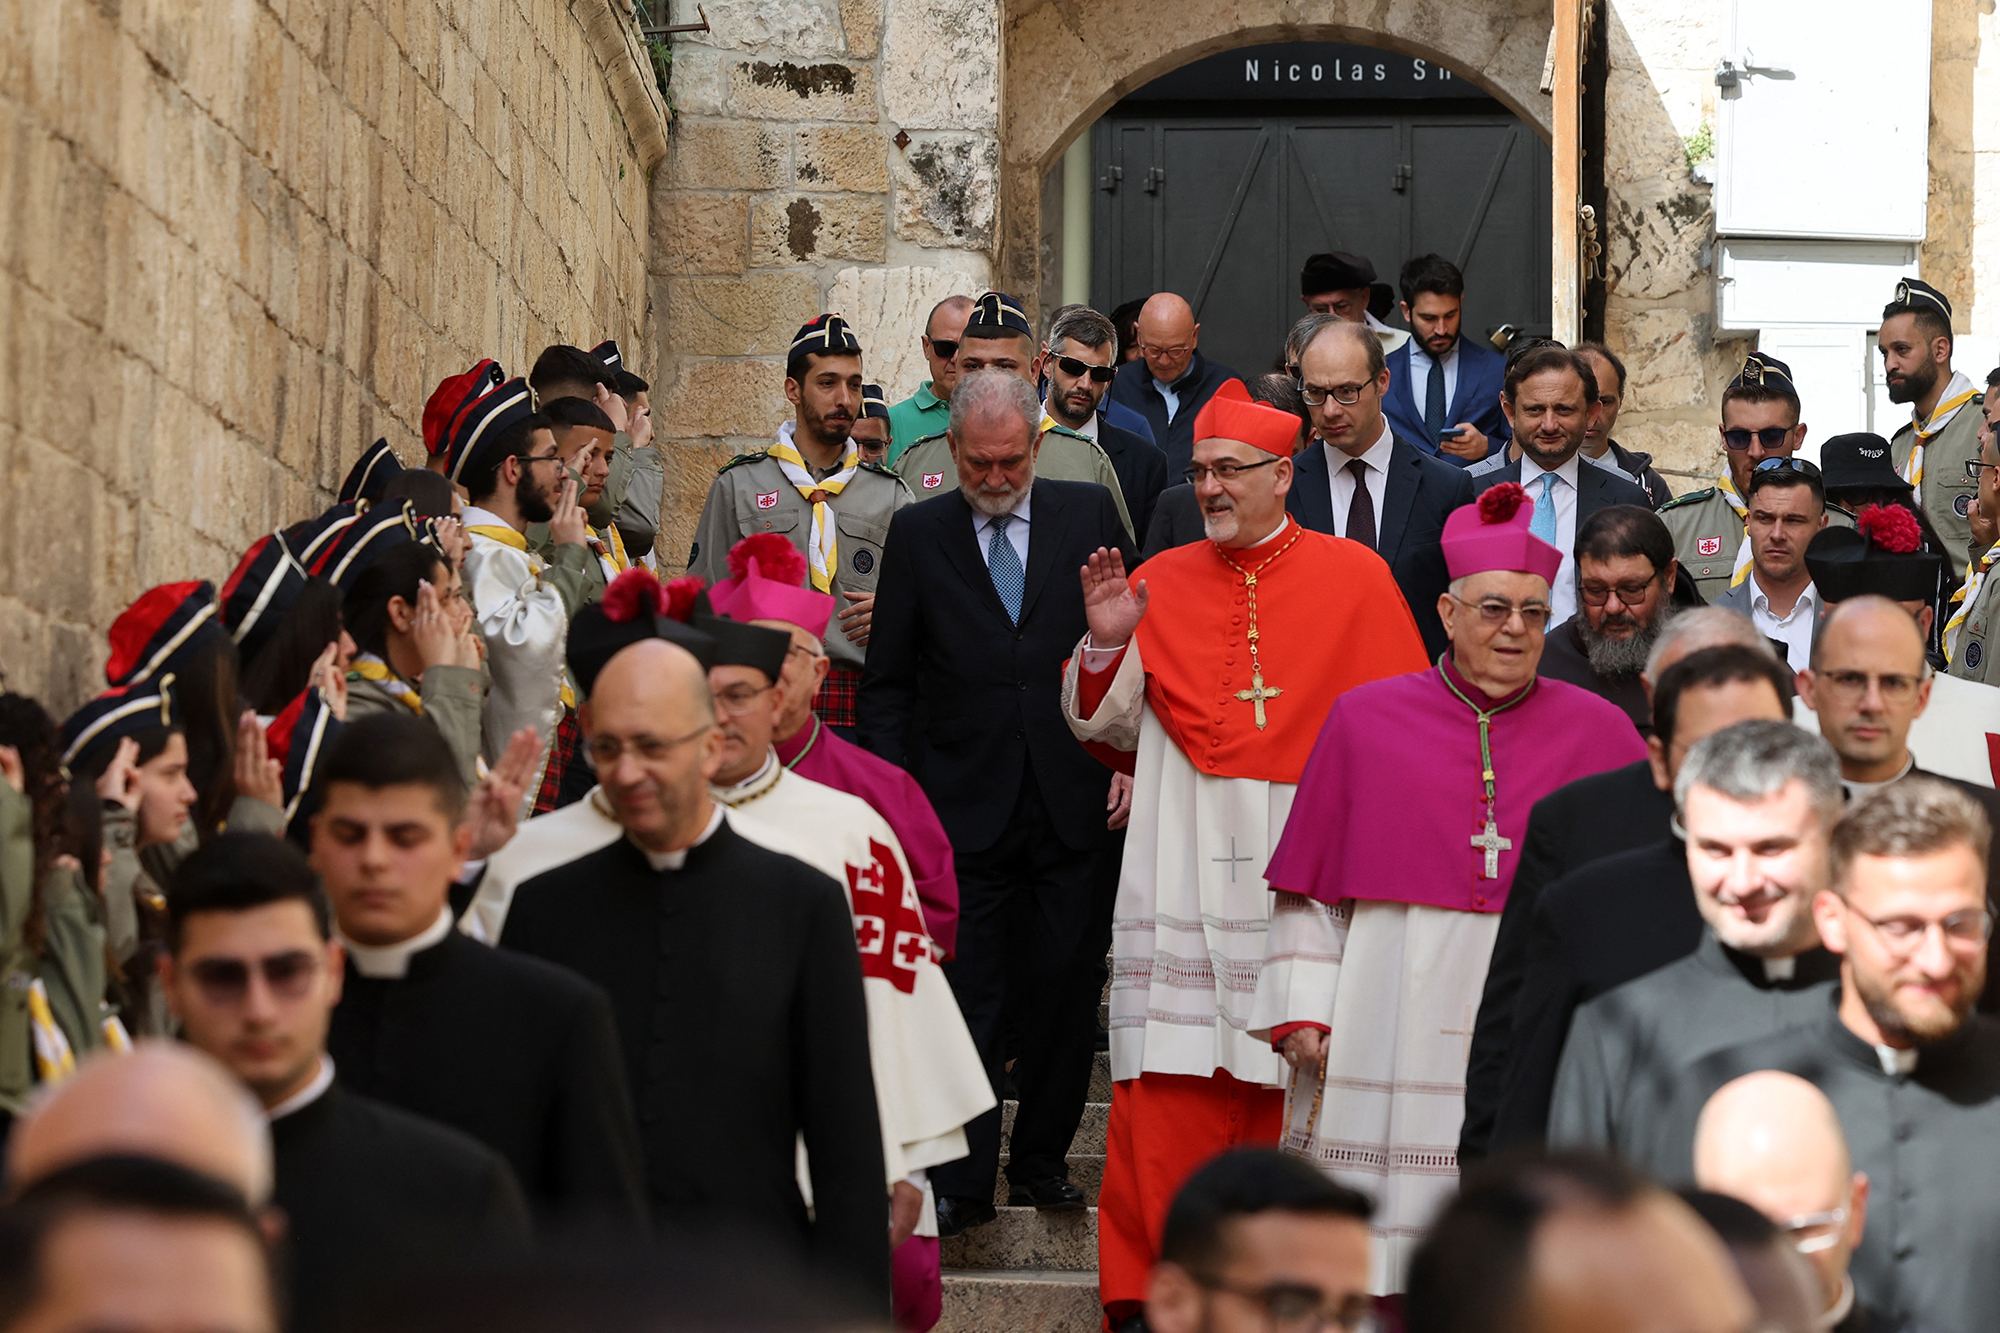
{"points": [[828, 155], [243, 238]]}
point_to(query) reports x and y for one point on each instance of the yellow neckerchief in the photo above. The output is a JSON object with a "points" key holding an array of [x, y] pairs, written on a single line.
{"points": [[501, 533], [610, 551], [822, 550], [54, 1060], [367, 666], [1726, 488], [1965, 597], [1913, 467]]}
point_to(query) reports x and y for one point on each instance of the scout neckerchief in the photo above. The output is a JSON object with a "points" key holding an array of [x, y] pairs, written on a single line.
{"points": [[370, 667], [1726, 488], [822, 551], [1965, 597], [54, 1060], [1258, 691], [506, 536], [1954, 398], [609, 548], [1488, 839]]}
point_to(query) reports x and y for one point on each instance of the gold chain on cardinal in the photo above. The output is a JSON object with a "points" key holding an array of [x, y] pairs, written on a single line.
{"points": [[1258, 691]]}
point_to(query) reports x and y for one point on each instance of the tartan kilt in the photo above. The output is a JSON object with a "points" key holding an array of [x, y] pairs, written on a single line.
{"points": [[566, 765], [835, 701]]}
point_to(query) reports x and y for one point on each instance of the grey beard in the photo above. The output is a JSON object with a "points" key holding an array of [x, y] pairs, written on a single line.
{"points": [[994, 505], [1626, 656]]}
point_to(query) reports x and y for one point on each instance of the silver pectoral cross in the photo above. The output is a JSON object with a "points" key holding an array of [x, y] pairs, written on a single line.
{"points": [[1489, 841]]}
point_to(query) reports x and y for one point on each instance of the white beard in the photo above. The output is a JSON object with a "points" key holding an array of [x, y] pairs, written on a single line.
{"points": [[1220, 527]]}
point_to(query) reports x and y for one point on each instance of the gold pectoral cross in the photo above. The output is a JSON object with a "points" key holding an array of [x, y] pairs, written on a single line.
{"points": [[1257, 694], [1489, 841]]}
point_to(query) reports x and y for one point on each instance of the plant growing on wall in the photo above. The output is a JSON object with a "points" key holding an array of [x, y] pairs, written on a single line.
{"points": [[1699, 146], [658, 49]]}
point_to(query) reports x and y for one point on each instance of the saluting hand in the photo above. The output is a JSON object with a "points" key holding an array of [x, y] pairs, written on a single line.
{"points": [[258, 776], [119, 783], [1112, 605], [613, 405], [431, 631], [569, 526], [495, 808]]}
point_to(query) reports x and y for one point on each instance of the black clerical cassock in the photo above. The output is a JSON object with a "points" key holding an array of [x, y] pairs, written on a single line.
{"points": [[366, 1190], [737, 992], [519, 1054]]}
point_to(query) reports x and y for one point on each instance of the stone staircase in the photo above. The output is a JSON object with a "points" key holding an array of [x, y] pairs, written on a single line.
{"points": [[1030, 1271]]}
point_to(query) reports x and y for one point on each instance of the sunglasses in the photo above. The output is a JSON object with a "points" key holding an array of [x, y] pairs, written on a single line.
{"points": [[1798, 465], [944, 349], [226, 981], [1075, 369], [1770, 437]]}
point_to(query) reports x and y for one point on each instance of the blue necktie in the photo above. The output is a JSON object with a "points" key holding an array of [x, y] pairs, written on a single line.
{"points": [[1434, 422], [1005, 568], [1543, 523]]}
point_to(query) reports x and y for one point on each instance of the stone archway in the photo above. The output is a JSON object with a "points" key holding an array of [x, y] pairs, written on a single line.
{"points": [[1064, 62]]}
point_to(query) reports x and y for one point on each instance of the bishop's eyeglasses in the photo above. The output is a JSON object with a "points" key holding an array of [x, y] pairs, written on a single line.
{"points": [[1224, 472], [1498, 611]]}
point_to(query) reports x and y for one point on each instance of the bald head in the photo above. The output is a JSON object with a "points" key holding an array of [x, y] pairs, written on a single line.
{"points": [[1167, 336], [1774, 1141], [1703, 627], [162, 1100], [1873, 621], [658, 680]]}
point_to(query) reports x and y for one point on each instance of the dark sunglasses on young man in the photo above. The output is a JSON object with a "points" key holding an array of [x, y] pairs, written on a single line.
{"points": [[1770, 437], [1075, 369], [226, 981]]}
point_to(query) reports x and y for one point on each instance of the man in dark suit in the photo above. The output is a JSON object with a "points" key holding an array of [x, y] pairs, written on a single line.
{"points": [[980, 607], [520, 1054], [1550, 396], [1399, 511], [1171, 379], [1444, 388], [252, 976], [1076, 366]]}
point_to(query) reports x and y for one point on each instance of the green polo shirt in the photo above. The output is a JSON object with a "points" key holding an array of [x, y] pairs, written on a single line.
{"points": [[922, 413]]}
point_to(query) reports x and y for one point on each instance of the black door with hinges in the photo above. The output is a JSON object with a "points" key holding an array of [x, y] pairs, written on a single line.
{"points": [[1224, 209]]}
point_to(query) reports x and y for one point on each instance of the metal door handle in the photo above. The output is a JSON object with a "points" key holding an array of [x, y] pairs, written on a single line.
{"points": [[1155, 178], [1109, 181], [1401, 181]]}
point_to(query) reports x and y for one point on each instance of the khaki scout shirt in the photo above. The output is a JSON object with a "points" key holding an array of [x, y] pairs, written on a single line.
{"points": [[1708, 533], [1946, 493], [1066, 456], [751, 494], [1972, 657]]}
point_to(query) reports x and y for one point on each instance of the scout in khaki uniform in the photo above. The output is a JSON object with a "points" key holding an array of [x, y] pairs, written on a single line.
{"points": [[998, 337], [1760, 420], [812, 486], [1942, 435], [1974, 621], [871, 428]]}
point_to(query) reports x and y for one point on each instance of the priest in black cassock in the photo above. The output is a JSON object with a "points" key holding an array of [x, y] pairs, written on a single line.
{"points": [[1601, 815], [1911, 1069], [1757, 802], [252, 977], [733, 978], [1619, 917], [518, 1053]]}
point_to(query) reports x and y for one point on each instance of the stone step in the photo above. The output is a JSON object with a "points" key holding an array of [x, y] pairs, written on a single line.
{"points": [[1027, 1238], [1090, 1131], [1100, 1079], [1085, 1172], [1019, 1301]]}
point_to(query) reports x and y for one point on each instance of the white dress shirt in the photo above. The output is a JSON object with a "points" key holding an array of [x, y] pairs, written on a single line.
{"points": [[1421, 364], [1172, 399], [1795, 631], [1341, 481], [1017, 532], [1562, 597]]}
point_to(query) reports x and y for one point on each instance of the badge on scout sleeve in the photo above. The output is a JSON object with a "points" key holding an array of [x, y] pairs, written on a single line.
{"points": [[1709, 545], [933, 480], [1961, 505], [864, 562], [767, 499], [1972, 655]]}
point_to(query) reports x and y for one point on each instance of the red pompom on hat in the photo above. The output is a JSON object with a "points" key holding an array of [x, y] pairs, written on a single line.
{"points": [[1231, 414], [1492, 533], [769, 585], [1891, 527], [682, 595], [634, 593]]}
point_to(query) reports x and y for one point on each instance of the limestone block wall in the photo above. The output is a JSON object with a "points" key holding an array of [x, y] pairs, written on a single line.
{"points": [[243, 238], [827, 155]]}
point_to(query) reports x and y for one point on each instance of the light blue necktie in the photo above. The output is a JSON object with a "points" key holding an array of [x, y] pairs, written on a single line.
{"points": [[1543, 523], [1005, 568]]}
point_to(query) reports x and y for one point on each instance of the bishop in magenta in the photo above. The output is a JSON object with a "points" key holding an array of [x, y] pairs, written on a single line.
{"points": [[1395, 862]]}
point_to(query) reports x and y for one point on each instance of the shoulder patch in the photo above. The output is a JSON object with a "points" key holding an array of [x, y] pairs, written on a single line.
{"points": [[741, 459], [926, 439], [882, 468], [1692, 497]]}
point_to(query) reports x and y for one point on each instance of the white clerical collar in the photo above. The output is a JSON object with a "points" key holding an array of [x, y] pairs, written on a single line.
{"points": [[307, 1095], [1088, 429], [1841, 1308], [392, 961], [1780, 969], [1858, 790], [1276, 533], [1897, 1062], [757, 784], [675, 860]]}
